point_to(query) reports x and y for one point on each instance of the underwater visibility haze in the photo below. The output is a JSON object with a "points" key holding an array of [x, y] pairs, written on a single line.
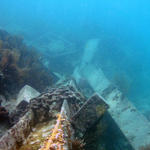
{"points": [[73, 39]]}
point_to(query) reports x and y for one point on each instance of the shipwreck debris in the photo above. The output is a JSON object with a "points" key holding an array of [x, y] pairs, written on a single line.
{"points": [[4, 114], [133, 125], [60, 105]]}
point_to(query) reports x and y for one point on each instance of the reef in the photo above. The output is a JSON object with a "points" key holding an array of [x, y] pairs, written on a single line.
{"points": [[20, 65]]}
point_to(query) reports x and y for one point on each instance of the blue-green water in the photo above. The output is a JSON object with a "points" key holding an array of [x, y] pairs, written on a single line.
{"points": [[122, 27]]}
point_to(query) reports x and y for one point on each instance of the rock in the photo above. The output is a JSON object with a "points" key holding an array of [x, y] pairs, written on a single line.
{"points": [[27, 93]]}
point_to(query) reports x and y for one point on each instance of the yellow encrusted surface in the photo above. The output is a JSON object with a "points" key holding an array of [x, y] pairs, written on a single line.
{"points": [[38, 135]]}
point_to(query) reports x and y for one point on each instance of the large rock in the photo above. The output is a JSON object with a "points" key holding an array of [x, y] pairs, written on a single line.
{"points": [[26, 94]]}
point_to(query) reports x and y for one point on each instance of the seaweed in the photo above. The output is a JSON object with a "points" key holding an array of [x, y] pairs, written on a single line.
{"points": [[20, 65]]}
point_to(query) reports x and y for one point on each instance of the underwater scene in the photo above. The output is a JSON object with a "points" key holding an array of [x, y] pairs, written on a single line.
{"points": [[74, 75]]}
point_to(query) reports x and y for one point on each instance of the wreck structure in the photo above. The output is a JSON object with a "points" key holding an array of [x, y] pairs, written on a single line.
{"points": [[84, 112], [133, 125], [67, 115]]}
